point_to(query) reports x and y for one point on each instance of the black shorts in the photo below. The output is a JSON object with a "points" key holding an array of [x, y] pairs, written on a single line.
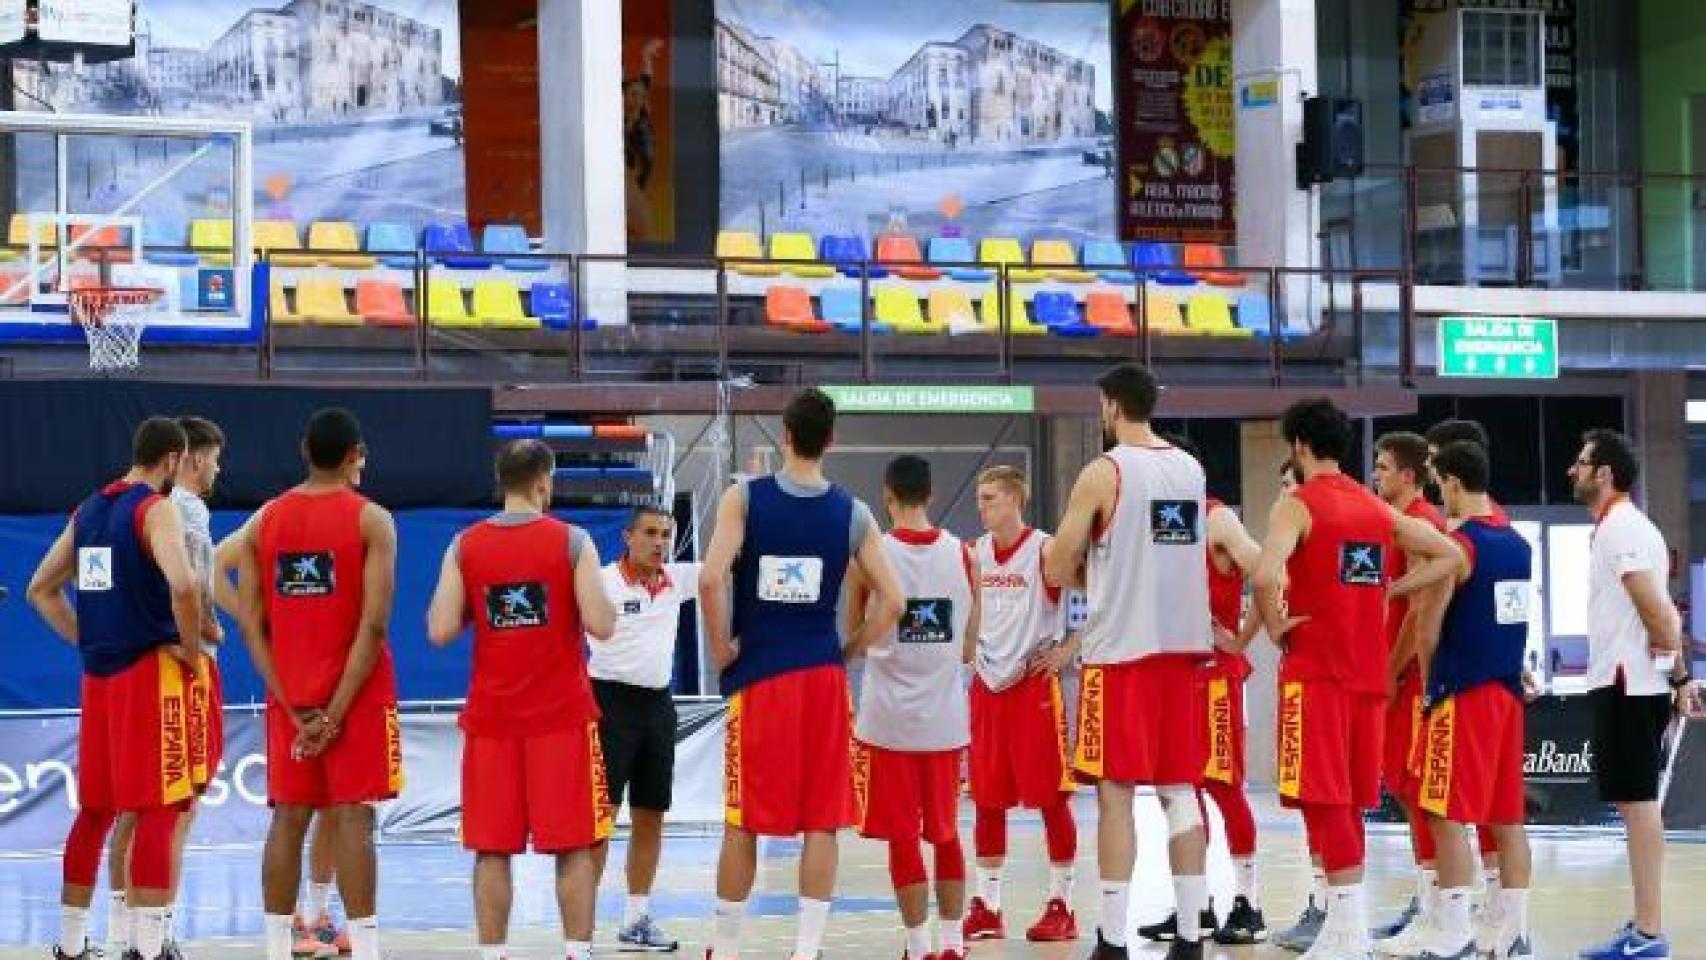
{"points": [[637, 731], [1628, 743]]}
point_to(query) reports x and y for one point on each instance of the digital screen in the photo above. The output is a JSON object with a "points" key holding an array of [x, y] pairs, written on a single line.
{"points": [[1530, 531], [1567, 566], [106, 23]]}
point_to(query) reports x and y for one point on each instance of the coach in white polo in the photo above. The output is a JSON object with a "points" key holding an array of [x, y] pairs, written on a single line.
{"points": [[1637, 674], [631, 678]]}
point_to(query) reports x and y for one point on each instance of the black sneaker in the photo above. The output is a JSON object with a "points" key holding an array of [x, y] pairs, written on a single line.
{"points": [[171, 952], [1168, 930], [1184, 950], [1107, 951], [90, 952], [1244, 926]]}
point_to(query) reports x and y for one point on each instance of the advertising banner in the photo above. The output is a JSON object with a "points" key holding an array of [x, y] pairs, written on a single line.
{"points": [[857, 116], [1175, 97], [648, 121]]}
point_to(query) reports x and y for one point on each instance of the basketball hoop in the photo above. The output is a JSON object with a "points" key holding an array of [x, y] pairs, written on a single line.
{"points": [[113, 319]]}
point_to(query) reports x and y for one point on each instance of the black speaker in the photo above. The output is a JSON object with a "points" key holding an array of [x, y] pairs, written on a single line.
{"points": [[1332, 140]]}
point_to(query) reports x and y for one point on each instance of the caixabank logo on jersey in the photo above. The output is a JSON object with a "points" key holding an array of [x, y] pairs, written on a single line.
{"points": [[927, 620], [1362, 564], [514, 606], [305, 575], [1173, 522]]}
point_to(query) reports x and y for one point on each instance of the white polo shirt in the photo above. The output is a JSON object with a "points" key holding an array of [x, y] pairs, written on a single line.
{"points": [[641, 653], [1624, 542]]}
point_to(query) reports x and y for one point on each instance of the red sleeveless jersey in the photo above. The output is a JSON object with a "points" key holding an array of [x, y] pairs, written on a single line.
{"points": [[1226, 603], [529, 674], [1337, 578], [1397, 565], [312, 559]]}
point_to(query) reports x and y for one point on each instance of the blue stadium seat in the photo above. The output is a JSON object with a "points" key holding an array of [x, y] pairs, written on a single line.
{"points": [[452, 244], [846, 251], [1058, 310], [1108, 259], [394, 242], [160, 232], [509, 238], [842, 308], [1157, 262], [554, 303], [541, 431], [958, 250], [1255, 314]]}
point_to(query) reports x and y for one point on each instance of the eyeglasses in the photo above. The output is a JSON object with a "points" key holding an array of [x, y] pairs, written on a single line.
{"points": [[1580, 462]]}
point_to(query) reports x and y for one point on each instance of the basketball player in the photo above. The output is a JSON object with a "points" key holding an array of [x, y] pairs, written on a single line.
{"points": [[1326, 544], [532, 768], [1018, 721], [913, 724], [1400, 472], [784, 543], [631, 679], [1472, 735], [1132, 535], [137, 624], [316, 578]]}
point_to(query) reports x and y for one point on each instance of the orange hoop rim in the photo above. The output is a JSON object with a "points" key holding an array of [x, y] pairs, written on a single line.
{"points": [[91, 305]]}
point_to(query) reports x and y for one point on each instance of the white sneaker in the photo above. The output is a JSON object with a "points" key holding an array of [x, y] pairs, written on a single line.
{"points": [[1338, 945], [1410, 941], [1489, 921], [1513, 945]]}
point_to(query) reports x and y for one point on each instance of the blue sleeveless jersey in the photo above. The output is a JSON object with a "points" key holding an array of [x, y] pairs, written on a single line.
{"points": [[787, 582], [124, 607], [1485, 632]]}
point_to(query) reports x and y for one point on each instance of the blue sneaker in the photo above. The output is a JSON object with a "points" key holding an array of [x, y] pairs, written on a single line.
{"points": [[644, 935], [1411, 911], [1629, 944]]}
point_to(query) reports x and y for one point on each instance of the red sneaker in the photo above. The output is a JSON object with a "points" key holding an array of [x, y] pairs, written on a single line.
{"points": [[982, 923], [1057, 923], [951, 955]]}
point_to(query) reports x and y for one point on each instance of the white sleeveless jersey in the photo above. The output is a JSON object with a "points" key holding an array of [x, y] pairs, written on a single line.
{"points": [[914, 692], [1145, 583], [1019, 615]]}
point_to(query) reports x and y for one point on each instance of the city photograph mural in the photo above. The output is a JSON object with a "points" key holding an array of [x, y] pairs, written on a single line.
{"points": [[859, 116]]}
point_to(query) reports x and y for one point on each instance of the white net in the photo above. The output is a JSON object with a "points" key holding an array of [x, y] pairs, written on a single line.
{"points": [[113, 319]]}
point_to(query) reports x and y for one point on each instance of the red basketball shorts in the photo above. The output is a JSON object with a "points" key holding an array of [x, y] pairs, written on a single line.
{"points": [[138, 739], [207, 723], [1329, 744], [907, 795], [549, 788], [788, 754], [1403, 724], [1472, 757], [364, 764], [1019, 744], [1224, 703], [1143, 721]]}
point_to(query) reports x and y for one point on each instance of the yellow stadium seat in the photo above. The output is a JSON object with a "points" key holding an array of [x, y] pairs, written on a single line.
{"points": [[1211, 314], [951, 310], [339, 235], [211, 239], [801, 252], [897, 306], [446, 308], [278, 308], [1006, 250], [320, 300], [1061, 260], [1018, 315], [18, 233], [275, 235], [497, 303], [741, 244], [1164, 316]]}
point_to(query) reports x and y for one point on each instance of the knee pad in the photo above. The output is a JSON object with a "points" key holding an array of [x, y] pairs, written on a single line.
{"points": [[151, 851], [906, 864], [989, 836], [1060, 832], [1183, 807], [950, 861], [83, 846]]}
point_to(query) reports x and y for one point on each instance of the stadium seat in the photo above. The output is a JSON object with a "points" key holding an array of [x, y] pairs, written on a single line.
{"points": [[740, 244], [320, 301], [163, 243], [1156, 262], [497, 304], [951, 310], [211, 239], [790, 308], [18, 233], [1018, 315], [952, 250], [272, 236], [445, 306], [800, 253], [1205, 260], [1108, 259], [847, 251], [1107, 311], [1058, 311], [1255, 314], [339, 237], [110, 243], [900, 250], [1006, 251], [452, 244], [1058, 256], [897, 307], [1210, 314], [10, 279], [554, 304], [1162, 312], [381, 303], [843, 308], [395, 239], [510, 239], [278, 308]]}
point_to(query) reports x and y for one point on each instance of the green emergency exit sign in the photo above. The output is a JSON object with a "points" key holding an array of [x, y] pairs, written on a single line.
{"points": [[932, 399], [1499, 348]]}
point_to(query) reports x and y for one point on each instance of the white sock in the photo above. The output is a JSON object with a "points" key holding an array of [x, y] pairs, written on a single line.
{"points": [[118, 924], [277, 927], [577, 949], [918, 941], [1060, 882], [73, 929], [1191, 893], [1244, 878], [989, 887], [1515, 905], [319, 902], [725, 928], [1318, 887], [1347, 913], [1426, 880], [150, 923], [171, 923], [1116, 900], [1452, 923], [953, 934], [638, 905], [493, 951], [814, 916], [1490, 880], [364, 938]]}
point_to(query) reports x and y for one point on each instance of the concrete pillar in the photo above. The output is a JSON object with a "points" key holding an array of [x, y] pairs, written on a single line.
{"points": [[1068, 444], [1660, 428], [1261, 452]]}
